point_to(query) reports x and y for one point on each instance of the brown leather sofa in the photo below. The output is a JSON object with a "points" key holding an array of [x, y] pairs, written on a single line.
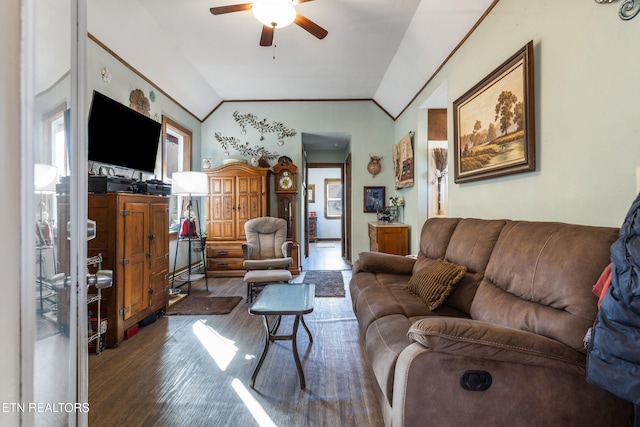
{"points": [[506, 347]]}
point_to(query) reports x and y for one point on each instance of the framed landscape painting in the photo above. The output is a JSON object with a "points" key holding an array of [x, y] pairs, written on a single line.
{"points": [[494, 122]]}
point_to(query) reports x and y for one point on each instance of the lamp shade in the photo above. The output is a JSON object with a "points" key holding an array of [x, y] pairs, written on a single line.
{"points": [[189, 184], [274, 13], [45, 178]]}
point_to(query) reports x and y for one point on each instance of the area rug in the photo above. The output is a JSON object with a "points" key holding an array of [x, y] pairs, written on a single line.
{"points": [[203, 305], [328, 283]]}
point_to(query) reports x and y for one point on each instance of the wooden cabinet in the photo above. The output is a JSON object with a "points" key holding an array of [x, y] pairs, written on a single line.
{"points": [[132, 234], [237, 193], [312, 228], [389, 238], [224, 259]]}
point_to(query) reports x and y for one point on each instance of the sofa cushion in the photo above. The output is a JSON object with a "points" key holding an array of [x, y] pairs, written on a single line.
{"points": [[434, 239], [385, 299], [386, 295], [471, 245], [527, 284], [434, 283], [368, 264]]}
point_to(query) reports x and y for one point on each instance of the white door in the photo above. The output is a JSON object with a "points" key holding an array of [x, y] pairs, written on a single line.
{"points": [[54, 329]]}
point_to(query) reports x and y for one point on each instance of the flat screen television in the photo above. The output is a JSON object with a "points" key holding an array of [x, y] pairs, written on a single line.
{"points": [[120, 136]]}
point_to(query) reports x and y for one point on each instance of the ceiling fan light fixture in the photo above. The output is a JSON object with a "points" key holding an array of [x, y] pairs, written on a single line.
{"points": [[274, 13]]}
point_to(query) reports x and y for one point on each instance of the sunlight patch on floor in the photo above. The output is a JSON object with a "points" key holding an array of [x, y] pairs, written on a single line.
{"points": [[221, 349], [256, 410]]}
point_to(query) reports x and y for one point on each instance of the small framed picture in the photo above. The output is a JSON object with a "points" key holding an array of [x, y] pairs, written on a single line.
{"points": [[332, 198], [311, 193], [373, 199]]}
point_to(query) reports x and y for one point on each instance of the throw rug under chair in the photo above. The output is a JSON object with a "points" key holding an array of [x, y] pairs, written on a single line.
{"points": [[203, 305]]}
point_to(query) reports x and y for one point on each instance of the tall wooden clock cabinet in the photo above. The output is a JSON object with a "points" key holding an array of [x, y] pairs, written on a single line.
{"points": [[286, 189], [285, 173]]}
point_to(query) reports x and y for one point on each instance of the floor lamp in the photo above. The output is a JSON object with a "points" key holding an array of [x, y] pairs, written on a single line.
{"points": [[45, 178], [190, 184]]}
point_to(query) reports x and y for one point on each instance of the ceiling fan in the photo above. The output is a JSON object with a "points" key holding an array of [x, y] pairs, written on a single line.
{"points": [[272, 14]]}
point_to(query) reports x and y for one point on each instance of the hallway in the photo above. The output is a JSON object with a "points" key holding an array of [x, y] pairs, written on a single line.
{"points": [[325, 255]]}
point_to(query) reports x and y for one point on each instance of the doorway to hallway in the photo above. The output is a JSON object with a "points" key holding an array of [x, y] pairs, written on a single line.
{"points": [[325, 216], [325, 255]]}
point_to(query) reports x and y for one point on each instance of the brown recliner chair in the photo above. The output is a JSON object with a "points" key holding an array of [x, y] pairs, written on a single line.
{"points": [[266, 253]]}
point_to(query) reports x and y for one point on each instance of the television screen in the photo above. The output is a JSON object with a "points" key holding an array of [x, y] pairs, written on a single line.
{"points": [[120, 136]]}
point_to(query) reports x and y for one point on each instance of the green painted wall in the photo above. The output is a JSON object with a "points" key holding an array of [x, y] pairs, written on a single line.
{"points": [[586, 127], [123, 81], [586, 98], [370, 127]]}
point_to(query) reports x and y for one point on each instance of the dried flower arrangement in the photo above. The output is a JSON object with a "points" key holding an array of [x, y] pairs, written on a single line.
{"points": [[440, 159]]}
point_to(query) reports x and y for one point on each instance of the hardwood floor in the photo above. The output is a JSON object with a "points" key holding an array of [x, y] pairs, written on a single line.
{"points": [[325, 255], [195, 370]]}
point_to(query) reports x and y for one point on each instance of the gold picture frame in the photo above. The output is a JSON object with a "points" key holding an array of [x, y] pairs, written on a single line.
{"points": [[494, 122]]}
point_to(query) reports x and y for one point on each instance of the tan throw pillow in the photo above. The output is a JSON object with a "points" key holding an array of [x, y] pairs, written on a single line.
{"points": [[434, 283]]}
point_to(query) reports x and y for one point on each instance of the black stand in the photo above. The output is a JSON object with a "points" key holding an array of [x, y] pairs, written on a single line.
{"points": [[42, 244], [202, 249]]}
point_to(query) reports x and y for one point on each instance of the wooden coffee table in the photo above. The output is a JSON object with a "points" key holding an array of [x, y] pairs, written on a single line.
{"points": [[294, 299]]}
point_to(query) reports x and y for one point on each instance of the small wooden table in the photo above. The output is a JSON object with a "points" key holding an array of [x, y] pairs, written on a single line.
{"points": [[295, 299], [390, 238]]}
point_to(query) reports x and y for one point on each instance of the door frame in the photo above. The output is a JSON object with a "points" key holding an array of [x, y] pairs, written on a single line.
{"points": [[348, 197], [77, 390], [346, 204]]}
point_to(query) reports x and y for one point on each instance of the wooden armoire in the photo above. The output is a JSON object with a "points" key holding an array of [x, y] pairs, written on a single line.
{"points": [[132, 234], [237, 193]]}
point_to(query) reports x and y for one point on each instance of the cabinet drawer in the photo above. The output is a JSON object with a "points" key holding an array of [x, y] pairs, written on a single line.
{"points": [[224, 264], [224, 251]]}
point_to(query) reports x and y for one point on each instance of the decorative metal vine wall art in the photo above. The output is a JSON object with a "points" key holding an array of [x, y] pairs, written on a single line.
{"points": [[262, 126], [244, 149], [628, 10]]}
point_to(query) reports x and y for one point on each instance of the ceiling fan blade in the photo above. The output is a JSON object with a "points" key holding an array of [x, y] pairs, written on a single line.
{"points": [[300, 1], [310, 26], [231, 8], [266, 39]]}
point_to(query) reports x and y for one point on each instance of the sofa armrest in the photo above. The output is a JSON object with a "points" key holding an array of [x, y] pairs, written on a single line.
{"points": [[489, 341], [536, 380], [378, 262]]}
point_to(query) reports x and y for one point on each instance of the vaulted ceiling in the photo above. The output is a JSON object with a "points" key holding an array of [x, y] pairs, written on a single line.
{"points": [[384, 50]]}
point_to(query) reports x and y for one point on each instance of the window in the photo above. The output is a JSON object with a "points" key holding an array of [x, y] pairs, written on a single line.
{"points": [[59, 144], [332, 198], [176, 157], [54, 153]]}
